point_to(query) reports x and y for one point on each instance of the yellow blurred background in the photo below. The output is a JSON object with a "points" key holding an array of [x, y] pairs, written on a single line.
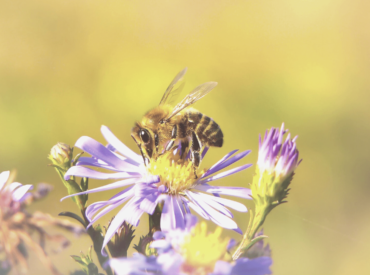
{"points": [[68, 67]]}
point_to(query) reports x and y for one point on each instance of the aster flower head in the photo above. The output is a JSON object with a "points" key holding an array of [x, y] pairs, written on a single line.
{"points": [[277, 161], [191, 250], [168, 180], [16, 226], [199, 249]]}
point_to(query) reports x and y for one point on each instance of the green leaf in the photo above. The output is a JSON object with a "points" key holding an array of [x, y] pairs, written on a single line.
{"points": [[73, 216]]}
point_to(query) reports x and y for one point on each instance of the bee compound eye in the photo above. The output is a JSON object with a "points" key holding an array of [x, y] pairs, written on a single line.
{"points": [[144, 136]]}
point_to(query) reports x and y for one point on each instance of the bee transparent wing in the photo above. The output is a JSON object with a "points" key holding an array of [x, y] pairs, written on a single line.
{"points": [[193, 97], [174, 89]]}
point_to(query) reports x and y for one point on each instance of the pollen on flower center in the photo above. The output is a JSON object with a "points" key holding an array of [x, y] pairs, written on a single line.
{"points": [[175, 173], [202, 250]]}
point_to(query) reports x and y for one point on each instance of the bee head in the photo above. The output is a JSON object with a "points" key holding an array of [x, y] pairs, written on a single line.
{"points": [[146, 140]]}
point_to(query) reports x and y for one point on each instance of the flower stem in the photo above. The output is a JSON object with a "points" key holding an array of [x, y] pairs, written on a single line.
{"points": [[256, 221], [155, 220], [97, 239]]}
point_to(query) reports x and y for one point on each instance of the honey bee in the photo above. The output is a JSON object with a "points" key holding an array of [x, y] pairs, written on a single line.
{"points": [[165, 125]]}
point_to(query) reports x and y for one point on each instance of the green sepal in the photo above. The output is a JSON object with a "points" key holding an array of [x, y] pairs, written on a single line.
{"points": [[269, 190]]}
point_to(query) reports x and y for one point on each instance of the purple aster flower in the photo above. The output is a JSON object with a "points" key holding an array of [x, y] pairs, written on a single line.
{"points": [[168, 179], [195, 251], [190, 250], [277, 160], [276, 156], [12, 194], [17, 226]]}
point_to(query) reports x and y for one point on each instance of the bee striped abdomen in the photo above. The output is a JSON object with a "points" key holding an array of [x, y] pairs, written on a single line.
{"points": [[207, 130]]}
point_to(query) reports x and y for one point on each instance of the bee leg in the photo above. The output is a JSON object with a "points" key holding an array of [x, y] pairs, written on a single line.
{"points": [[145, 160], [184, 148], [195, 153], [156, 142], [173, 138]]}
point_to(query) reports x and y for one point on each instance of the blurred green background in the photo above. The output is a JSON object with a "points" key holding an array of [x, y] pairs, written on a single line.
{"points": [[68, 67]]}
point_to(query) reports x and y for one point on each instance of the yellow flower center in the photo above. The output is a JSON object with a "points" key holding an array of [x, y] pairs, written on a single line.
{"points": [[175, 173], [202, 250]]}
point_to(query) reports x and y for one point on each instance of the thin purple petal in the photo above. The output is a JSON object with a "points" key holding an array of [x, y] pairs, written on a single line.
{"points": [[214, 204], [166, 215], [99, 151], [225, 173], [229, 161], [231, 191], [119, 146], [80, 171], [91, 161], [172, 214], [190, 221], [105, 187], [231, 244], [229, 203], [222, 268], [214, 215], [158, 235], [210, 170], [130, 213], [14, 185], [109, 205], [20, 193], [205, 150]]}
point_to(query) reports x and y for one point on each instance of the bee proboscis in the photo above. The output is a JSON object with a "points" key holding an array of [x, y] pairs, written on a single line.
{"points": [[165, 125]]}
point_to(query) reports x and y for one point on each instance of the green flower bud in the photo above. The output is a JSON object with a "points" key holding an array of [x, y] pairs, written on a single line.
{"points": [[61, 155]]}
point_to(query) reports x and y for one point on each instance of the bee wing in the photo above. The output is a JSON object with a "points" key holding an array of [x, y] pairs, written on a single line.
{"points": [[193, 97], [172, 92]]}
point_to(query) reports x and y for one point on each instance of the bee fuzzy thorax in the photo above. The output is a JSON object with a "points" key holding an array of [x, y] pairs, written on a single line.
{"points": [[152, 118], [176, 173]]}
